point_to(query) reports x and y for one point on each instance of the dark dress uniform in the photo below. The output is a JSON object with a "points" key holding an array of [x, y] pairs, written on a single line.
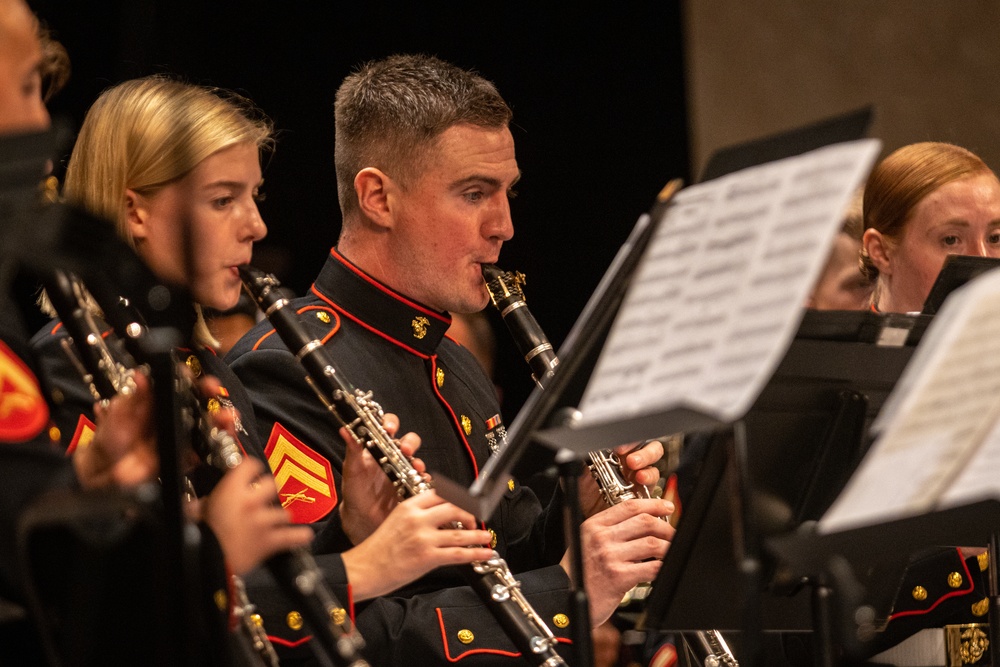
{"points": [[74, 416], [396, 348]]}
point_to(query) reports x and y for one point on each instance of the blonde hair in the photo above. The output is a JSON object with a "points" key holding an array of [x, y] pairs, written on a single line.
{"points": [[144, 134]]}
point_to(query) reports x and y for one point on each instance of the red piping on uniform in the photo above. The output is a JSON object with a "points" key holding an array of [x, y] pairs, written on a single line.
{"points": [[261, 339], [285, 642], [56, 328], [382, 288], [332, 331], [366, 326], [917, 612], [454, 418], [490, 651]]}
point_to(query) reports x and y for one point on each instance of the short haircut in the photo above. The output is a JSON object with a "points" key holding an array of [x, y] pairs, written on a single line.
{"points": [[390, 111]]}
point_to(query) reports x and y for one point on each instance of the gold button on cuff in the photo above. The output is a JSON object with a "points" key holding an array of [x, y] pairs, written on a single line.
{"points": [[466, 425], [220, 599], [213, 405], [257, 620], [294, 620], [955, 580], [919, 593], [981, 608], [560, 620], [323, 317], [55, 435], [466, 636], [195, 365], [439, 377], [493, 538], [984, 561], [510, 483], [338, 615]]}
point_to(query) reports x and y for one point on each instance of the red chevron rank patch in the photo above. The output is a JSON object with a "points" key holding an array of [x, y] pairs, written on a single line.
{"points": [[303, 477], [82, 436], [23, 410]]}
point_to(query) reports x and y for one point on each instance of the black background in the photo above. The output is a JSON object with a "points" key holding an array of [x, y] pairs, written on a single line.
{"points": [[598, 99]]}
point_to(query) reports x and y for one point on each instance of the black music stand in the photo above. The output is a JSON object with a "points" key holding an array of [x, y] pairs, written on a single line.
{"points": [[957, 270], [781, 466], [844, 127]]}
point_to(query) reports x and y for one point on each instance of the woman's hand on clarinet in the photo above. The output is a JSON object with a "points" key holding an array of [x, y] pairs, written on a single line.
{"points": [[123, 450], [368, 494], [243, 512], [415, 538]]}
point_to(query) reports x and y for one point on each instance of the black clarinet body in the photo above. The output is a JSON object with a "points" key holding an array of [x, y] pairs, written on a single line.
{"points": [[108, 367], [507, 295], [362, 415]]}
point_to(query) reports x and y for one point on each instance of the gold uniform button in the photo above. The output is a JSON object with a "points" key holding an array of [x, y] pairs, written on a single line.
{"points": [[493, 538], [338, 615], [439, 377], [323, 317], [560, 620], [466, 425], [213, 405], [257, 620], [981, 608], [466, 636], [955, 580], [294, 620], [195, 365], [55, 435], [984, 561], [919, 593], [510, 483], [220, 599]]}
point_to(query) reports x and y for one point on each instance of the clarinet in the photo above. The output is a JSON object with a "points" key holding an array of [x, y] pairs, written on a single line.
{"points": [[507, 295], [362, 416], [108, 369]]}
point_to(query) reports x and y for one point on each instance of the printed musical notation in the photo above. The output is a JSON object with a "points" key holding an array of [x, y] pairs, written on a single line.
{"points": [[719, 291]]}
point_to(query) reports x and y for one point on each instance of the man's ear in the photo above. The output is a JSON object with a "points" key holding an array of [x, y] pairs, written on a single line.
{"points": [[374, 191], [136, 214], [878, 249]]}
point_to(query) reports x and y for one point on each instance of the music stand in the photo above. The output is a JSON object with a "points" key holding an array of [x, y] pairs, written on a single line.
{"points": [[834, 130], [803, 437], [956, 271]]}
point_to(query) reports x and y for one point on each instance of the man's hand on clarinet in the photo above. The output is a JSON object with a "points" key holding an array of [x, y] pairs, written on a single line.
{"points": [[622, 546], [368, 494]]}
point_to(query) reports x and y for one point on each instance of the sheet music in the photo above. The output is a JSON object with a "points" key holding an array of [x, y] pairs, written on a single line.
{"points": [[933, 447], [718, 295]]}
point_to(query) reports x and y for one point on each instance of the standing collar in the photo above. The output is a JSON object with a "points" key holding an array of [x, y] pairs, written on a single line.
{"points": [[377, 306]]}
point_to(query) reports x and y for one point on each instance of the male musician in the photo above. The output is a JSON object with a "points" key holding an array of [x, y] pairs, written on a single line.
{"points": [[425, 166]]}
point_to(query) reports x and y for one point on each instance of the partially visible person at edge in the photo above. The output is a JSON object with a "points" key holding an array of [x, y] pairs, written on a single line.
{"points": [[122, 452], [177, 168], [425, 168], [842, 284], [923, 202]]}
